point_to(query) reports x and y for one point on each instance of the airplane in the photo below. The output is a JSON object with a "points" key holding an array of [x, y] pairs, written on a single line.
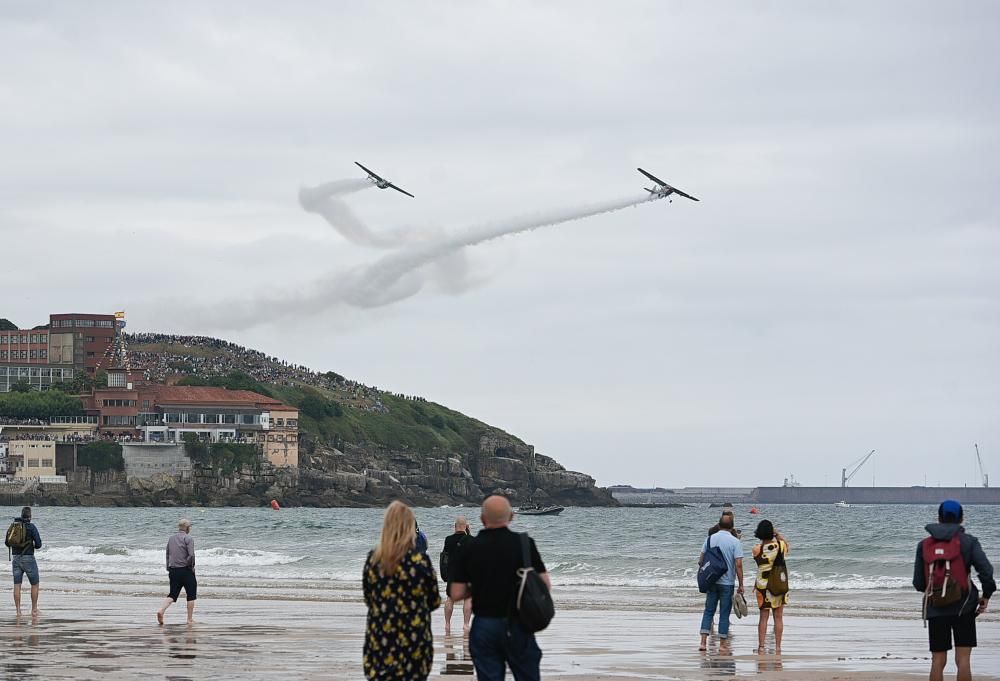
{"points": [[382, 184], [663, 189]]}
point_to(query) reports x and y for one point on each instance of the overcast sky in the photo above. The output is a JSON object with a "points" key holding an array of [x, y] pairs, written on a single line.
{"points": [[836, 290]]}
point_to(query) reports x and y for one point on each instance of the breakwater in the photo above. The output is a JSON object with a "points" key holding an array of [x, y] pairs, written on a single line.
{"points": [[805, 495], [874, 495]]}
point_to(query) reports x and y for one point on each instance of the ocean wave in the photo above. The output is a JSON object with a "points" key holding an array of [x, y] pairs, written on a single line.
{"points": [[122, 555], [805, 582]]}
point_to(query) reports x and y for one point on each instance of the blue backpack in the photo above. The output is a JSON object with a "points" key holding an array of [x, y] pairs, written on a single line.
{"points": [[712, 567]]}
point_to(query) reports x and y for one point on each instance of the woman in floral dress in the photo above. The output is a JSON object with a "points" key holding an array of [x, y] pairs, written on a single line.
{"points": [[401, 591]]}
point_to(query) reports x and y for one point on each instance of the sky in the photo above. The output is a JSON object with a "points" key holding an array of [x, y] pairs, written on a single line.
{"points": [[836, 289]]}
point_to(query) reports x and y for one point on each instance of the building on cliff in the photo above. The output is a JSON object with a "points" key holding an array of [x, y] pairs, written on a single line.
{"points": [[54, 353], [166, 413]]}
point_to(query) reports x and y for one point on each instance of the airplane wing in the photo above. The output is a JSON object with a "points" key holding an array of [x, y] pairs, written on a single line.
{"points": [[678, 191], [654, 179], [413, 197], [368, 171]]}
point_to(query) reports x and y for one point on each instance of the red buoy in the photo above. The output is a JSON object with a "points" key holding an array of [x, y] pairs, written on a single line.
{"points": [[275, 505], [754, 511]]}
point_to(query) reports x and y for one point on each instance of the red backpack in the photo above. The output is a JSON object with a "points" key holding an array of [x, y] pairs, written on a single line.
{"points": [[947, 574]]}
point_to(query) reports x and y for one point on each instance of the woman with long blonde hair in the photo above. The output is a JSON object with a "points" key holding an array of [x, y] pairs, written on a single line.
{"points": [[401, 591]]}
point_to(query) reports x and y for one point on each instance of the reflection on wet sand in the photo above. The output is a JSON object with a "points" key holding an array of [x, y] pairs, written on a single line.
{"points": [[719, 662], [457, 660], [181, 643], [116, 638], [766, 664]]}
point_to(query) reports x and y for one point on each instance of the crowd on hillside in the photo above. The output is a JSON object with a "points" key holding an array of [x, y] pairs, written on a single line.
{"points": [[156, 366], [11, 421], [71, 437]]}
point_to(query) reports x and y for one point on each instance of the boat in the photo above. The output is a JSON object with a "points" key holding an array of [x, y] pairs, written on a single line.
{"points": [[540, 510], [842, 504]]}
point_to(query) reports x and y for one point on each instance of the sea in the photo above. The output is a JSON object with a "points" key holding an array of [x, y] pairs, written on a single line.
{"points": [[842, 561]]}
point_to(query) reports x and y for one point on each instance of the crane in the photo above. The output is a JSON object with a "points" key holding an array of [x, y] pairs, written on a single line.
{"points": [[855, 466], [982, 471]]}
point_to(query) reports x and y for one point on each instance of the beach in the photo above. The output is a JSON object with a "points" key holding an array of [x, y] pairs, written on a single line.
{"points": [[115, 636], [279, 595]]}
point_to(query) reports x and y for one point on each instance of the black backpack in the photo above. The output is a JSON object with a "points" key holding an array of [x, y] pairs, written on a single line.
{"points": [[533, 608]]}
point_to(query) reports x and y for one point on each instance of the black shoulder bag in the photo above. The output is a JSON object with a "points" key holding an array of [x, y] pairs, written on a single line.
{"points": [[534, 608]]}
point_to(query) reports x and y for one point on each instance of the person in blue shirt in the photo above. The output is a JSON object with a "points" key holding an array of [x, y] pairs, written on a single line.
{"points": [[23, 563], [720, 594]]}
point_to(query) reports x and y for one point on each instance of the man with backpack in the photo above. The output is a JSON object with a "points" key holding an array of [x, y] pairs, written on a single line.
{"points": [[951, 600], [500, 569], [720, 566], [23, 539]]}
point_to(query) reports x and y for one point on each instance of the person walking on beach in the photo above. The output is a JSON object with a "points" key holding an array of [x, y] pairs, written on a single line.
{"points": [[720, 594], [449, 556], [951, 600], [401, 591], [23, 539], [487, 567], [765, 554], [180, 567]]}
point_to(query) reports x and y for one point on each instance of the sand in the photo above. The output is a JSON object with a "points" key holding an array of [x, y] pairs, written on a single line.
{"points": [[110, 637]]}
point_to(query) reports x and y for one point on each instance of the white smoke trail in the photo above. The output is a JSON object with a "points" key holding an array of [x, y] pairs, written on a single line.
{"points": [[397, 275], [321, 201], [384, 273]]}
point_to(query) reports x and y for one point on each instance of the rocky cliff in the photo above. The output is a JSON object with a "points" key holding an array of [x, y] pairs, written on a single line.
{"points": [[354, 475]]}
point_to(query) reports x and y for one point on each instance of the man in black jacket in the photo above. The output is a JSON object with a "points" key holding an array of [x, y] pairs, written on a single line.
{"points": [[452, 545], [487, 570], [958, 619]]}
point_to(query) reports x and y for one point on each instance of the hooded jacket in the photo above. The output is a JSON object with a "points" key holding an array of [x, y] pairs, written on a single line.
{"points": [[972, 554]]}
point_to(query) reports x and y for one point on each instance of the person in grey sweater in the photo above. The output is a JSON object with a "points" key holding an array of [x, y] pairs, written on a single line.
{"points": [[180, 567]]}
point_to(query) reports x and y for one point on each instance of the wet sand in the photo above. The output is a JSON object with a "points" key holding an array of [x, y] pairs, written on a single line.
{"points": [[111, 637]]}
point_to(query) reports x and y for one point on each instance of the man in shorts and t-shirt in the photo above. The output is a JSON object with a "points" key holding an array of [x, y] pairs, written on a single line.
{"points": [[180, 566], [956, 621]]}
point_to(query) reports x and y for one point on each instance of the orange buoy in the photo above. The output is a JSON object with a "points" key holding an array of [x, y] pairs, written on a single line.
{"points": [[275, 505], [753, 510]]}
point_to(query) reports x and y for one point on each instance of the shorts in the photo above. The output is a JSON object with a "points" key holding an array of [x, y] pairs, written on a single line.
{"points": [[940, 630], [183, 578], [24, 565]]}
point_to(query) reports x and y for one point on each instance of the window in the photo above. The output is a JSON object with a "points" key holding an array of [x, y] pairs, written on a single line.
{"points": [[33, 354], [14, 339], [44, 354], [46, 463], [293, 423], [24, 338], [90, 354], [32, 463], [3, 340], [24, 354], [66, 322], [279, 422], [229, 418], [270, 438], [279, 438], [211, 418], [42, 338], [172, 417], [119, 420], [84, 323], [105, 323], [89, 339], [145, 404], [3, 354], [192, 418], [248, 419]]}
